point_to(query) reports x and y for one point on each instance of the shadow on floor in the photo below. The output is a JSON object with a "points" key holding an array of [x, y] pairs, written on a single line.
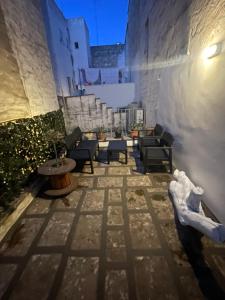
{"points": [[102, 157], [191, 241]]}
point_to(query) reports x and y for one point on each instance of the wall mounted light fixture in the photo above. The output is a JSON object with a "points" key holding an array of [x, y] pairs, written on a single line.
{"points": [[212, 51]]}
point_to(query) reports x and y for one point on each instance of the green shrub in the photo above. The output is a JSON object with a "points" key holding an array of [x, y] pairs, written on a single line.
{"points": [[23, 147]]}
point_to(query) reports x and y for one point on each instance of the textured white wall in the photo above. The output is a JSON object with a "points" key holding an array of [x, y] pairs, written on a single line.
{"points": [[108, 75], [180, 89], [79, 33], [115, 95], [26, 31], [14, 103]]}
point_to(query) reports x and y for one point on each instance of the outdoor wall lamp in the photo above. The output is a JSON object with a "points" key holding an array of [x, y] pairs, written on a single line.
{"points": [[212, 51]]}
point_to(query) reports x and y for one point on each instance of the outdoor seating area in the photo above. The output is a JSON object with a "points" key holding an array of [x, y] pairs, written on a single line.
{"points": [[111, 187], [155, 147], [108, 239]]}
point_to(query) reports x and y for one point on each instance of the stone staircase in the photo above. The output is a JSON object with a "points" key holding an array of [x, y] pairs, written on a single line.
{"points": [[87, 112]]}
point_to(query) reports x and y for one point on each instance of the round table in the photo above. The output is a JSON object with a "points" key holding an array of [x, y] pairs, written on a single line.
{"points": [[61, 181]]}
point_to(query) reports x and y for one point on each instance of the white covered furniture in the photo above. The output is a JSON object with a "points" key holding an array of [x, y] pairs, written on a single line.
{"points": [[187, 200]]}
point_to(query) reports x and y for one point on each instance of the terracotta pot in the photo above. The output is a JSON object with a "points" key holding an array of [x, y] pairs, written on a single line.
{"points": [[102, 136], [134, 133]]}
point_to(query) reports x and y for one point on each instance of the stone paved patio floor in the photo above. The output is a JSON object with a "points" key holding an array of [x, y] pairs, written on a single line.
{"points": [[115, 237]]}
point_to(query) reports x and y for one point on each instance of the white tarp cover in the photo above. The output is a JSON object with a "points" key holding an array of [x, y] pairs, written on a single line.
{"points": [[187, 200]]}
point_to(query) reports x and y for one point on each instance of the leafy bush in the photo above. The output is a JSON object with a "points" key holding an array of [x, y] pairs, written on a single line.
{"points": [[23, 147]]}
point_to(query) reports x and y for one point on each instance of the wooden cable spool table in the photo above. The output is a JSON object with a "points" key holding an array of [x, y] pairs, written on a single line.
{"points": [[61, 181]]}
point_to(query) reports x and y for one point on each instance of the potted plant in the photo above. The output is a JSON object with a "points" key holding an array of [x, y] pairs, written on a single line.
{"points": [[54, 137], [135, 127], [101, 133], [118, 132]]}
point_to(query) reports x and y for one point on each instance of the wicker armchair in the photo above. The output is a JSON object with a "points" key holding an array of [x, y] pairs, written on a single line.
{"points": [[159, 153]]}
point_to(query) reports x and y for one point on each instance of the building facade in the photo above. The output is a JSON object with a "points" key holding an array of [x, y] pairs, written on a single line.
{"points": [[75, 63], [59, 43]]}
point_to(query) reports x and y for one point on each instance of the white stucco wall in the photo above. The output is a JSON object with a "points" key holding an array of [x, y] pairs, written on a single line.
{"points": [[59, 46], [79, 33], [114, 95], [183, 91], [26, 33], [108, 75]]}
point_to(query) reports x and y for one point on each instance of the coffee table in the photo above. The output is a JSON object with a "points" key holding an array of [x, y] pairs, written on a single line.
{"points": [[117, 147], [61, 181]]}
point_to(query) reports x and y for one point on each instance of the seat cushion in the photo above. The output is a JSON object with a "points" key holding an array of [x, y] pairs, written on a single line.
{"points": [[91, 145], [147, 142], [81, 152], [155, 154]]}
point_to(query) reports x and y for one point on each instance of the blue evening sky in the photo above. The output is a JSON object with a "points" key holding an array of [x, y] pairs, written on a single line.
{"points": [[106, 19]]}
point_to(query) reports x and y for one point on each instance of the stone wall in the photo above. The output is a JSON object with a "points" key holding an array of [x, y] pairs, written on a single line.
{"points": [[106, 56], [179, 88], [26, 32], [14, 103]]}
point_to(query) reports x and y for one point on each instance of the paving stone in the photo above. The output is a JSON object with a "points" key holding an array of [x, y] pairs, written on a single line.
{"points": [[97, 171], [39, 206], [143, 232], [162, 180], [162, 206], [139, 181], [18, 243], [85, 182], [6, 274], [88, 232], [93, 200], [153, 278], [119, 171], [136, 199], [157, 189], [138, 170], [116, 286], [80, 279], [114, 196], [57, 229], [104, 182], [171, 235], [131, 162], [70, 201], [76, 174], [37, 278], [207, 242], [116, 250], [191, 287], [220, 263], [117, 163], [115, 215]]}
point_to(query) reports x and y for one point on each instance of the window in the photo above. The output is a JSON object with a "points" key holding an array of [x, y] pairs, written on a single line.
{"points": [[76, 45]]}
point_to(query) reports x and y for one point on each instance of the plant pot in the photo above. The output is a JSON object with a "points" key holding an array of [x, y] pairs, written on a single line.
{"points": [[101, 136], [134, 133], [118, 134]]}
